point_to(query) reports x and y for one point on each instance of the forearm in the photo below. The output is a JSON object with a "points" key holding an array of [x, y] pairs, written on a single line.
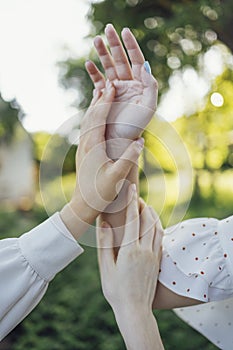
{"points": [[117, 217], [167, 299], [138, 328]]}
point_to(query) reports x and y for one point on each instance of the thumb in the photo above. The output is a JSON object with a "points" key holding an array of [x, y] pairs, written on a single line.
{"points": [[150, 90], [122, 166]]}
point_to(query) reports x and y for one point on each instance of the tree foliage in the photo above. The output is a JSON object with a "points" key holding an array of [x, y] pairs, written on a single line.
{"points": [[54, 151], [172, 34], [9, 113], [208, 133]]}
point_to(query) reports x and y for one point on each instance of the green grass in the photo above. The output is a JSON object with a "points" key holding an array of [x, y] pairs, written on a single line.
{"points": [[165, 194], [73, 314]]}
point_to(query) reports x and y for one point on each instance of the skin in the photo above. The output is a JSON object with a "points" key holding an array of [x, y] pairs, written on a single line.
{"points": [[129, 278], [134, 85], [134, 104], [91, 197], [136, 90]]}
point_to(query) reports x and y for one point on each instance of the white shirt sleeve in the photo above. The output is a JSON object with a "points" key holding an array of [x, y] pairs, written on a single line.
{"points": [[28, 264]]}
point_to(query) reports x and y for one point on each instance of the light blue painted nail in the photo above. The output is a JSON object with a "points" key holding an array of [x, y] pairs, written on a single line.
{"points": [[147, 67]]}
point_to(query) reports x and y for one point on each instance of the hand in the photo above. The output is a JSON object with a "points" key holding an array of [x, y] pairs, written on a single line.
{"points": [[98, 179], [129, 279], [136, 89]]}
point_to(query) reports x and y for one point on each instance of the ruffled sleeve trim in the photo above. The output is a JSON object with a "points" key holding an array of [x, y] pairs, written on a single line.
{"points": [[195, 263]]}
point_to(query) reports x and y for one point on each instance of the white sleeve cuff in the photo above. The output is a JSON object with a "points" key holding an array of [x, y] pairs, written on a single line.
{"points": [[49, 247]]}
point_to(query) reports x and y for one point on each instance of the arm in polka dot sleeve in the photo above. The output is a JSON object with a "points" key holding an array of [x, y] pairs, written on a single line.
{"points": [[196, 264], [167, 299]]}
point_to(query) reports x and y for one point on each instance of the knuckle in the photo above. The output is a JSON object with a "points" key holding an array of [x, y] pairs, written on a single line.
{"points": [[134, 253], [132, 215], [148, 215], [116, 173]]}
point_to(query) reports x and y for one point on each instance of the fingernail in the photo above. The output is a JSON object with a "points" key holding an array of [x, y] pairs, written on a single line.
{"points": [[97, 41], [140, 142], [109, 25], [133, 187], [105, 225], [147, 67]]}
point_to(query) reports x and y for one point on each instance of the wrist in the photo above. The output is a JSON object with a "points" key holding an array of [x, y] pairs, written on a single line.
{"points": [[138, 327], [77, 216], [115, 147], [82, 210], [129, 311]]}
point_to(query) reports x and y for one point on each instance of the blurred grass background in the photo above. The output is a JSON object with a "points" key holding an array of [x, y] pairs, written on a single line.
{"points": [[73, 314], [174, 35]]}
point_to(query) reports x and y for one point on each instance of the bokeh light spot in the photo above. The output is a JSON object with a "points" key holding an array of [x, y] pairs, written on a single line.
{"points": [[217, 99]]}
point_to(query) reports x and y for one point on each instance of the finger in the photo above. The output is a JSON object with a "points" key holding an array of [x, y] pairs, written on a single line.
{"points": [[147, 229], [135, 54], [158, 244], [96, 76], [103, 106], [131, 232], [120, 58], [158, 238], [96, 115], [123, 165], [105, 243], [105, 58], [142, 204], [96, 96], [150, 89]]}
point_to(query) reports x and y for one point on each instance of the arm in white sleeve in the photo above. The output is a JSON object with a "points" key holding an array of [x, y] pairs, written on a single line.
{"points": [[28, 264]]}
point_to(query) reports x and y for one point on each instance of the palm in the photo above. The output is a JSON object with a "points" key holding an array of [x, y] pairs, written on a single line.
{"points": [[128, 115], [128, 91], [136, 90]]}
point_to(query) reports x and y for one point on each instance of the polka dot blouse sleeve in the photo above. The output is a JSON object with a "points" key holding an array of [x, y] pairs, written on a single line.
{"points": [[197, 262]]}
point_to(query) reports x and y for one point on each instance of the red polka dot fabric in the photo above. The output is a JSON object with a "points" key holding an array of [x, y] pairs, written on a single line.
{"points": [[197, 262]]}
